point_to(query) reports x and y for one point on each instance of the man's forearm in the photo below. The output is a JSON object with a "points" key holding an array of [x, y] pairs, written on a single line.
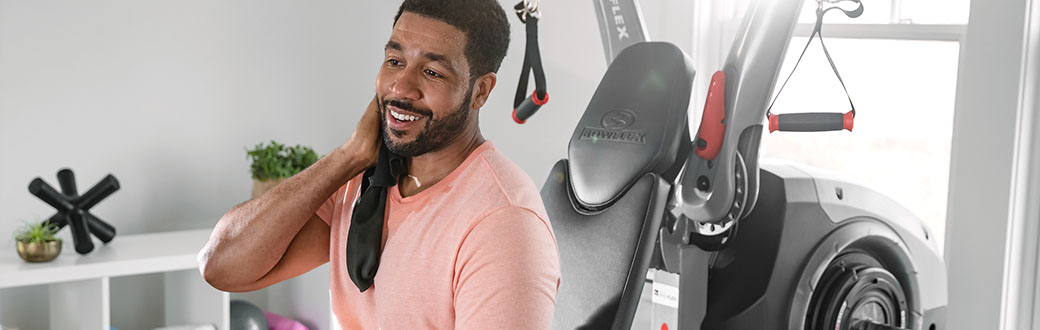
{"points": [[251, 238]]}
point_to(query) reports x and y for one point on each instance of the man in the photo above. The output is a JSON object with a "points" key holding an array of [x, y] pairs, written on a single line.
{"points": [[464, 240]]}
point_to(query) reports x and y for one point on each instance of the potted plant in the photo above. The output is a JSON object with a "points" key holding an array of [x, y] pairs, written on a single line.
{"points": [[273, 163], [36, 242]]}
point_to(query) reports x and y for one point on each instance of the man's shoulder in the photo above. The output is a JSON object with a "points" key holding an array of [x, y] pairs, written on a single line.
{"points": [[497, 174]]}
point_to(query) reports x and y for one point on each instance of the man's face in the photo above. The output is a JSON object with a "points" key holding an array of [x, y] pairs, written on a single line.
{"points": [[423, 87]]}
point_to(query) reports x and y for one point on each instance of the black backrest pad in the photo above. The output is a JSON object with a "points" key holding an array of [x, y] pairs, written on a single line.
{"points": [[633, 124], [603, 256]]}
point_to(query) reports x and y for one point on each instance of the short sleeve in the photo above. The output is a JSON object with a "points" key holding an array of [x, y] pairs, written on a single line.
{"points": [[507, 273], [327, 210]]}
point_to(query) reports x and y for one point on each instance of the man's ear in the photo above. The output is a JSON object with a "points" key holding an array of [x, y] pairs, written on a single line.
{"points": [[482, 89]]}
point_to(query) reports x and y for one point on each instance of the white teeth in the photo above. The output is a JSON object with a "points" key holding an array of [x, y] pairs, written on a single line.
{"points": [[402, 117]]}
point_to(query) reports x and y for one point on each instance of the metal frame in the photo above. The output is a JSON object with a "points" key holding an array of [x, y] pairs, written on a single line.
{"points": [[621, 24]]}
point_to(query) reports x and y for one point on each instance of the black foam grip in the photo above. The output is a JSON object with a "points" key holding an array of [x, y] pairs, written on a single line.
{"points": [[102, 189], [811, 122], [47, 193], [67, 182], [526, 109], [104, 231]]}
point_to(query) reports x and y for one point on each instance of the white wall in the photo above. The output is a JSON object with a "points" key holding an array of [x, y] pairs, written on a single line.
{"points": [[166, 95]]}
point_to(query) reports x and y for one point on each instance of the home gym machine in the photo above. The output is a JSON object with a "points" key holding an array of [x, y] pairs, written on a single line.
{"points": [[637, 199]]}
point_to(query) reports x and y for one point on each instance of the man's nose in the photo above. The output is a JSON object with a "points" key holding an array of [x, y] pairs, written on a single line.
{"points": [[405, 86]]}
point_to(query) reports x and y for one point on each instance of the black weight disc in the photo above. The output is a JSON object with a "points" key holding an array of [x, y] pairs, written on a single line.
{"points": [[856, 289]]}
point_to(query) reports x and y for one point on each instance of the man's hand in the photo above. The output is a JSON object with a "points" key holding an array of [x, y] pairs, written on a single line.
{"points": [[279, 234], [367, 138]]}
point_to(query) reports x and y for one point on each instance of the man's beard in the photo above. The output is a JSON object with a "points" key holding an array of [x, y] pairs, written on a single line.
{"points": [[435, 134]]}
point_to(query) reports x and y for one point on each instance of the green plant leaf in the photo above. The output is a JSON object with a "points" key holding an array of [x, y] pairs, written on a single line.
{"points": [[37, 232], [275, 160]]}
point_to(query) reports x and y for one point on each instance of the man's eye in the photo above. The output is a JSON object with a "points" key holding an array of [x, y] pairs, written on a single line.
{"points": [[433, 73], [393, 62]]}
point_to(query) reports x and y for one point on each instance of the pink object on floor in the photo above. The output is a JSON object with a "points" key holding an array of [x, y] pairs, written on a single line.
{"points": [[278, 322]]}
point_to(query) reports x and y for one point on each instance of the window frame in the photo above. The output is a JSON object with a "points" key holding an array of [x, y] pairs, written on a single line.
{"points": [[919, 32], [992, 234], [1021, 275]]}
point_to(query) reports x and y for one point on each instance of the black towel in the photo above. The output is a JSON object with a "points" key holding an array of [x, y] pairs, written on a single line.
{"points": [[365, 237]]}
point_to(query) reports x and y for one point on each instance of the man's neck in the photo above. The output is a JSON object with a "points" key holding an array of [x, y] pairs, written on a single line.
{"points": [[426, 170]]}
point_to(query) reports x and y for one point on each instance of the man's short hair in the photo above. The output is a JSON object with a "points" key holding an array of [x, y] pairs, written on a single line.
{"points": [[482, 21]]}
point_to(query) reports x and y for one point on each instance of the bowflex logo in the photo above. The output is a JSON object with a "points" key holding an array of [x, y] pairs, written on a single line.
{"points": [[613, 129], [619, 20]]}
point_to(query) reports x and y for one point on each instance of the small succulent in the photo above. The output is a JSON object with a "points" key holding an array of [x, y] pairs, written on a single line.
{"points": [[38, 232]]}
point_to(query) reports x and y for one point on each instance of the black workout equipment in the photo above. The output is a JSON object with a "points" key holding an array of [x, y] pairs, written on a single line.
{"points": [[646, 219], [74, 210], [816, 121], [620, 25], [525, 106], [607, 200], [246, 316]]}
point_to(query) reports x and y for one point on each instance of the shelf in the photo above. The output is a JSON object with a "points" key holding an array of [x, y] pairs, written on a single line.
{"points": [[74, 291], [125, 255], [78, 287]]}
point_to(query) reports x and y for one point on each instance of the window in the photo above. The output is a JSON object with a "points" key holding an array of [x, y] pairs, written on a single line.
{"points": [[934, 11], [899, 61], [902, 76], [904, 95], [895, 12]]}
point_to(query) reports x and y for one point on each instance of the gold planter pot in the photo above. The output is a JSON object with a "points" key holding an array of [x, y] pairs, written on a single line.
{"points": [[260, 187], [39, 252]]}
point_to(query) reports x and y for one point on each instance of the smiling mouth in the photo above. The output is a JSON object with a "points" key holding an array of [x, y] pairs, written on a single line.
{"points": [[403, 117]]}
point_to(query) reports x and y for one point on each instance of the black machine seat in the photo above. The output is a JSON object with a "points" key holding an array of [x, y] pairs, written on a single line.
{"points": [[606, 201], [601, 254], [634, 124]]}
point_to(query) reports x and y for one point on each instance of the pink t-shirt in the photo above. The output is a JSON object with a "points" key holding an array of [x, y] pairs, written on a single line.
{"points": [[473, 251]]}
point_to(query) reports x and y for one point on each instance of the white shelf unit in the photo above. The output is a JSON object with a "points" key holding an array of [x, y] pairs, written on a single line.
{"points": [[77, 288]]}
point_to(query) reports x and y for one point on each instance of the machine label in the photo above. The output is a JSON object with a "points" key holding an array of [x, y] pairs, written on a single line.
{"points": [[666, 295], [618, 119], [619, 20], [613, 129], [599, 134]]}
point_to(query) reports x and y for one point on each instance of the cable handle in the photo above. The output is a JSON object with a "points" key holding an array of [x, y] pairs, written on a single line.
{"points": [[525, 106], [816, 121], [529, 106], [811, 121]]}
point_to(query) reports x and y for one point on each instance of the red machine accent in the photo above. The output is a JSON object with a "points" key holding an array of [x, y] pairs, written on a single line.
{"points": [[848, 119], [774, 123], [517, 120], [534, 98], [713, 128]]}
